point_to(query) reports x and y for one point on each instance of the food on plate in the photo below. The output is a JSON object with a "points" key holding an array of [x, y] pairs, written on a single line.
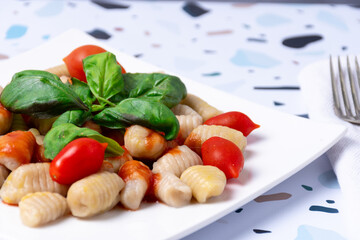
{"points": [[4, 173], [188, 120], [203, 132], [29, 178], [176, 160], [205, 110], [16, 148], [88, 136], [138, 181], [169, 189], [94, 194], [235, 120], [74, 60], [223, 154], [78, 159], [59, 70], [39, 208], [144, 143], [5, 119], [205, 181]]}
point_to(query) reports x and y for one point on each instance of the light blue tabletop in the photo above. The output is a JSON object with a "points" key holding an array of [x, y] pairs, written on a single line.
{"points": [[254, 51]]}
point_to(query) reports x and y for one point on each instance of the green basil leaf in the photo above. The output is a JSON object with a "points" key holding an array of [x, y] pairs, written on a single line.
{"points": [[58, 137], [103, 75], [153, 115], [40, 94], [159, 87], [76, 117], [82, 90]]}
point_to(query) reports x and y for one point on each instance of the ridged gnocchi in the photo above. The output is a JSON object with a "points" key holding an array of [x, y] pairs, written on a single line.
{"points": [[94, 194], [182, 109], [171, 190], [39, 208], [203, 132], [205, 181], [205, 110], [177, 160], [29, 178]]}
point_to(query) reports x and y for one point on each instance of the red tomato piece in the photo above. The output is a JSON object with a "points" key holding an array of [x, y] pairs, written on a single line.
{"points": [[223, 154], [74, 60], [78, 159], [235, 120]]}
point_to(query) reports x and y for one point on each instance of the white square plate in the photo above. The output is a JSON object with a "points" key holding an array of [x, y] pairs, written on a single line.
{"points": [[283, 145]]}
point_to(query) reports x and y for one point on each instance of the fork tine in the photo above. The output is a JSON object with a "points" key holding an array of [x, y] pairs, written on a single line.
{"points": [[357, 68], [354, 92], [343, 89], [335, 89]]}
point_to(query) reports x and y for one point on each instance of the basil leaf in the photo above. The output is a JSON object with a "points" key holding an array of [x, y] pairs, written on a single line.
{"points": [[159, 87], [153, 115], [40, 94], [76, 117], [103, 75], [58, 137], [82, 90]]}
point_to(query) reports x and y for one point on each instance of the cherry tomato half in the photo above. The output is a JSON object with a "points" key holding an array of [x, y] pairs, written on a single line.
{"points": [[235, 120], [78, 159], [74, 60], [223, 154]]}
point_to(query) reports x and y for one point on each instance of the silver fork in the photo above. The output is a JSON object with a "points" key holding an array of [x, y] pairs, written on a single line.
{"points": [[345, 89]]}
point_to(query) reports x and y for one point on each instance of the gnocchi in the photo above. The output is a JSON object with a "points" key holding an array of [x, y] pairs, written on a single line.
{"points": [[203, 132], [94, 194], [177, 160], [39, 208], [204, 181], [29, 178]]}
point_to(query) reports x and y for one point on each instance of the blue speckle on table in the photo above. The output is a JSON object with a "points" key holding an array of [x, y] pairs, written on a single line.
{"points": [[212, 74], [276, 103], [307, 232], [316, 208], [99, 34], [328, 179], [239, 210], [110, 4], [332, 20], [194, 9], [260, 231], [305, 115], [259, 40], [330, 201], [301, 41], [252, 58], [16, 31], [307, 188], [271, 20], [52, 8]]}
